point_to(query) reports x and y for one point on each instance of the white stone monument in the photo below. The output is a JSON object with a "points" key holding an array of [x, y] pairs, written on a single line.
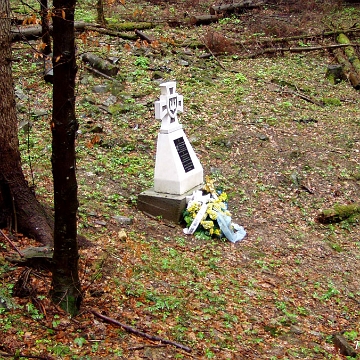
{"points": [[177, 169]]}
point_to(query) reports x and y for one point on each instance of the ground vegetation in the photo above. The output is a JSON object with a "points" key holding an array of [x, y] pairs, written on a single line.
{"points": [[270, 129]]}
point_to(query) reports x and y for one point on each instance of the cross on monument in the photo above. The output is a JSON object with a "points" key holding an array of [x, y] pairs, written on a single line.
{"points": [[167, 107], [178, 171]]}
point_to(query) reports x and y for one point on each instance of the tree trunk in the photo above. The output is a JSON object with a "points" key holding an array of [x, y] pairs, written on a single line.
{"points": [[349, 60], [66, 289], [100, 12], [45, 28], [18, 204], [350, 51], [30, 32]]}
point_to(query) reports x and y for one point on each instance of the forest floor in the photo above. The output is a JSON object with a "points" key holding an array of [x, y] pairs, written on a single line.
{"points": [[280, 140]]}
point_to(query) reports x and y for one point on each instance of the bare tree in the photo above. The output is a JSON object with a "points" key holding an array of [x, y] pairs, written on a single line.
{"points": [[66, 289]]}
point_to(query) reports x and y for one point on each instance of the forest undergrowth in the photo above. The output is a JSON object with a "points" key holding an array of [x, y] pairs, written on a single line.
{"points": [[271, 131]]}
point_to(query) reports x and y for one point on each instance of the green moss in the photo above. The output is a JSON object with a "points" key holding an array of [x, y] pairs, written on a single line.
{"points": [[131, 26], [339, 213], [331, 101]]}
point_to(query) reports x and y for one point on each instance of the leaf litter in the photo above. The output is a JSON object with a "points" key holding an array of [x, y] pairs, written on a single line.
{"points": [[280, 293]]}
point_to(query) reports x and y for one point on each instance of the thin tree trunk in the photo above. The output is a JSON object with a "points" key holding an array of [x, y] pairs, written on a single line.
{"points": [[45, 33], [18, 203], [100, 12], [66, 289]]}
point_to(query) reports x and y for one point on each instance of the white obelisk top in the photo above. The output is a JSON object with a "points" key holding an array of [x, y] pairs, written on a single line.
{"points": [[167, 107]]}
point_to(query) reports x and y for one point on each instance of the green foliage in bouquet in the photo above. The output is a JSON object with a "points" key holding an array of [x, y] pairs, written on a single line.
{"points": [[208, 226]]}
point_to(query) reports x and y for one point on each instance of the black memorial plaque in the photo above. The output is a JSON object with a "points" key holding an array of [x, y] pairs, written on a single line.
{"points": [[184, 154]]}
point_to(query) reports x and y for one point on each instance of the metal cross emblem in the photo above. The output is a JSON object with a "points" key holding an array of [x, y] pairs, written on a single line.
{"points": [[168, 106]]}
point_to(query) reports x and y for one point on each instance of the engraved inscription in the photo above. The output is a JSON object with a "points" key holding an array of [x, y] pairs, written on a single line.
{"points": [[184, 154]]}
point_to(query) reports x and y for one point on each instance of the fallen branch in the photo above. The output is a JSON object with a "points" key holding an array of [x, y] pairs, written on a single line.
{"points": [[35, 31], [344, 347], [140, 333], [131, 26], [11, 243], [97, 72], [292, 89], [348, 69], [350, 51], [143, 36], [100, 64], [297, 37], [294, 50], [229, 8], [304, 97], [203, 19], [18, 356], [214, 56], [111, 32], [349, 60]]}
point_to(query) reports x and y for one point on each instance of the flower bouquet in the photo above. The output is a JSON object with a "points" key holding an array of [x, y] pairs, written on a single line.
{"points": [[207, 215]]}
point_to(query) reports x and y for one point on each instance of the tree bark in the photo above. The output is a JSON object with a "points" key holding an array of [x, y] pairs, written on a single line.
{"points": [[230, 8], [45, 28], [350, 51], [18, 204], [100, 12], [111, 32], [100, 64], [338, 213], [143, 36], [66, 290], [349, 60], [203, 19], [35, 31]]}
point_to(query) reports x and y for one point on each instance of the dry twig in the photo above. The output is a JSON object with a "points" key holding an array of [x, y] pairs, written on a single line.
{"points": [[140, 333], [11, 243]]}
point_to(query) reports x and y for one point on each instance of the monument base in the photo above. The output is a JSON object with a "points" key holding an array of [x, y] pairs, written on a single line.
{"points": [[168, 206]]}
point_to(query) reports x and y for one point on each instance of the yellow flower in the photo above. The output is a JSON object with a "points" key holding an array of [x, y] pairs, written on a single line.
{"points": [[207, 224], [209, 185], [194, 208], [212, 214], [217, 206], [222, 197], [217, 232]]}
